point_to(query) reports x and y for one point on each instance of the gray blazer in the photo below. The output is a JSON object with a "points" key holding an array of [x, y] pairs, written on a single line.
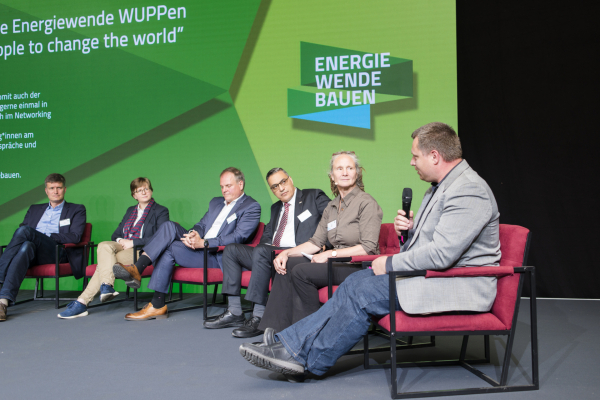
{"points": [[459, 227]]}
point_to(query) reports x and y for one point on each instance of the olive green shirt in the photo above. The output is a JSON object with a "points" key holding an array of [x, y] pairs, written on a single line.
{"points": [[356, 221]]}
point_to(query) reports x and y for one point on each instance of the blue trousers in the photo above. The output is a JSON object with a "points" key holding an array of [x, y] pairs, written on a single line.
{"points": [[166, 249], [26, 248], [318, 340]]}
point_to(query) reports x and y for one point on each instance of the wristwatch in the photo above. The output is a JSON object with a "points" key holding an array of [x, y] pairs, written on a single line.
{"points": [[334, 253]]}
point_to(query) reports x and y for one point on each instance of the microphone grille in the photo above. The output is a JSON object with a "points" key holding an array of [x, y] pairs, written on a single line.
{"points": [[407, 194]]}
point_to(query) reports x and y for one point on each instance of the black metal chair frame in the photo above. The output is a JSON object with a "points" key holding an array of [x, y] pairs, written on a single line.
{"points": [[496, 386], [205, 304], [400, 343], [39, 281]]}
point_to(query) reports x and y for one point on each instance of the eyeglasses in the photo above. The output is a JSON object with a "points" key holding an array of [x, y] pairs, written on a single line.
{"points": [[142, 190], [282, 183]]}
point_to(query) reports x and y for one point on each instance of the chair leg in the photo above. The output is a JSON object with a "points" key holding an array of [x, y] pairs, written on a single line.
{"points": [[57, 299], [394, 367], [215, 290], [171, 291], [35, 289], [180, 291], [486, 347], [205, 300], [507, 354], [463, 349]]}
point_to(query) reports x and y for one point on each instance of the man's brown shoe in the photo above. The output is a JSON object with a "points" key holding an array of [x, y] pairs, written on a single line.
{"points": [[148, 312], [128, 273], [2, 312]]}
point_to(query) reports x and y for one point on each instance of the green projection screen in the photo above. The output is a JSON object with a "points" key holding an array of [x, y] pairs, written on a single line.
{"points": [[178, 90]]}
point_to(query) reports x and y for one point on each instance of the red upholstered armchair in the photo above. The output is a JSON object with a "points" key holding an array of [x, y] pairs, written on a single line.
{"points": [[389, 244], [500, 320], [207, 276], [58, 269]]}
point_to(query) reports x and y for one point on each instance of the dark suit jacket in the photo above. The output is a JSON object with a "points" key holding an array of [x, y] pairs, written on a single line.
{"points": [[313, 200], [155, 218], [66, 234], [239, 230]]}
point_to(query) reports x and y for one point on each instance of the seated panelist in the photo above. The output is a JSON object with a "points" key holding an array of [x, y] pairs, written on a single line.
{"points": [[232, 218], [294, 219], [34, 242], [351, 223], [456, 226], [139, 224]]}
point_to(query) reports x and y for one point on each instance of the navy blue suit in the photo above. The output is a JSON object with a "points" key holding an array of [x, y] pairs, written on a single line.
{"points": [[258, 259], [165, 249], [28, 246]]}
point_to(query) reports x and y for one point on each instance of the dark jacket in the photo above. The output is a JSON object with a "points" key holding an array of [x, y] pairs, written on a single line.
{"points": [[313, 200], [71, 233], [239, 226], [155, 218]]}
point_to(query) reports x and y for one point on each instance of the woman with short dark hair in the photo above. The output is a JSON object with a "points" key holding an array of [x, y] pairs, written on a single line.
{"points": [[137, 227]]}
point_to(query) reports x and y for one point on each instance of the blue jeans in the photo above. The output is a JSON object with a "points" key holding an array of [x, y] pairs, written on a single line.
{"points": [[165, 249], [318, 340], [26, 248]]}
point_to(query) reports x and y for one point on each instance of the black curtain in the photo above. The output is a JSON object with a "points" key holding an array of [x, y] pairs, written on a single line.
{"points": [[527, 103]]}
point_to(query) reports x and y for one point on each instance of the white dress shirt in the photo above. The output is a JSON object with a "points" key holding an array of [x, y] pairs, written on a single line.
{"points": [[216, 226]]}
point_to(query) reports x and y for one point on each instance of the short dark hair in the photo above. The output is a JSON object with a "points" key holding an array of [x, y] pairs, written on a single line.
{"points": [[441, 137], [138, 183], [239, 175], [274, 171], [55, 178]]}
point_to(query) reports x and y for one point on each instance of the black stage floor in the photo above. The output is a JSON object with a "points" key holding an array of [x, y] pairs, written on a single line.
{"points": [[102, 356]]}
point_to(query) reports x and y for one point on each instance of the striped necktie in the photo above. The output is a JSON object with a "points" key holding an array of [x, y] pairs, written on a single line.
{"points": [[282, 225]]}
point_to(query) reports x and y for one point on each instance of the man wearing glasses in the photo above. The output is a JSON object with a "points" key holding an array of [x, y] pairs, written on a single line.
{"points": [[294, 219], [232, 218]]}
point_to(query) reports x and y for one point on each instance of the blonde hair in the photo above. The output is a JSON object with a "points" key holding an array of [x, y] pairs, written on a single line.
{"points": [[359, 171]]}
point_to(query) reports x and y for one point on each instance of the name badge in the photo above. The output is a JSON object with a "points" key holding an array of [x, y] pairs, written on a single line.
{"points": [[331, 225], [65, 222], [304, 216], [231, 218]]}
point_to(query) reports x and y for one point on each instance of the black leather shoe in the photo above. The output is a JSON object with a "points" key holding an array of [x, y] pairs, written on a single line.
{"points": [[268, 338], [225, 320], [273, 357], [250, 329]]}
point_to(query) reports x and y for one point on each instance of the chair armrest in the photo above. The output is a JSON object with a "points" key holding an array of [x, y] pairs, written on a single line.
{"points": [[356, 259], [213, 250], [471, 272], [74, 245]]}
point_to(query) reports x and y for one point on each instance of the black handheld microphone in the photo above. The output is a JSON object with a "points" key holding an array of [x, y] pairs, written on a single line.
{"points": [[406, 200]]}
